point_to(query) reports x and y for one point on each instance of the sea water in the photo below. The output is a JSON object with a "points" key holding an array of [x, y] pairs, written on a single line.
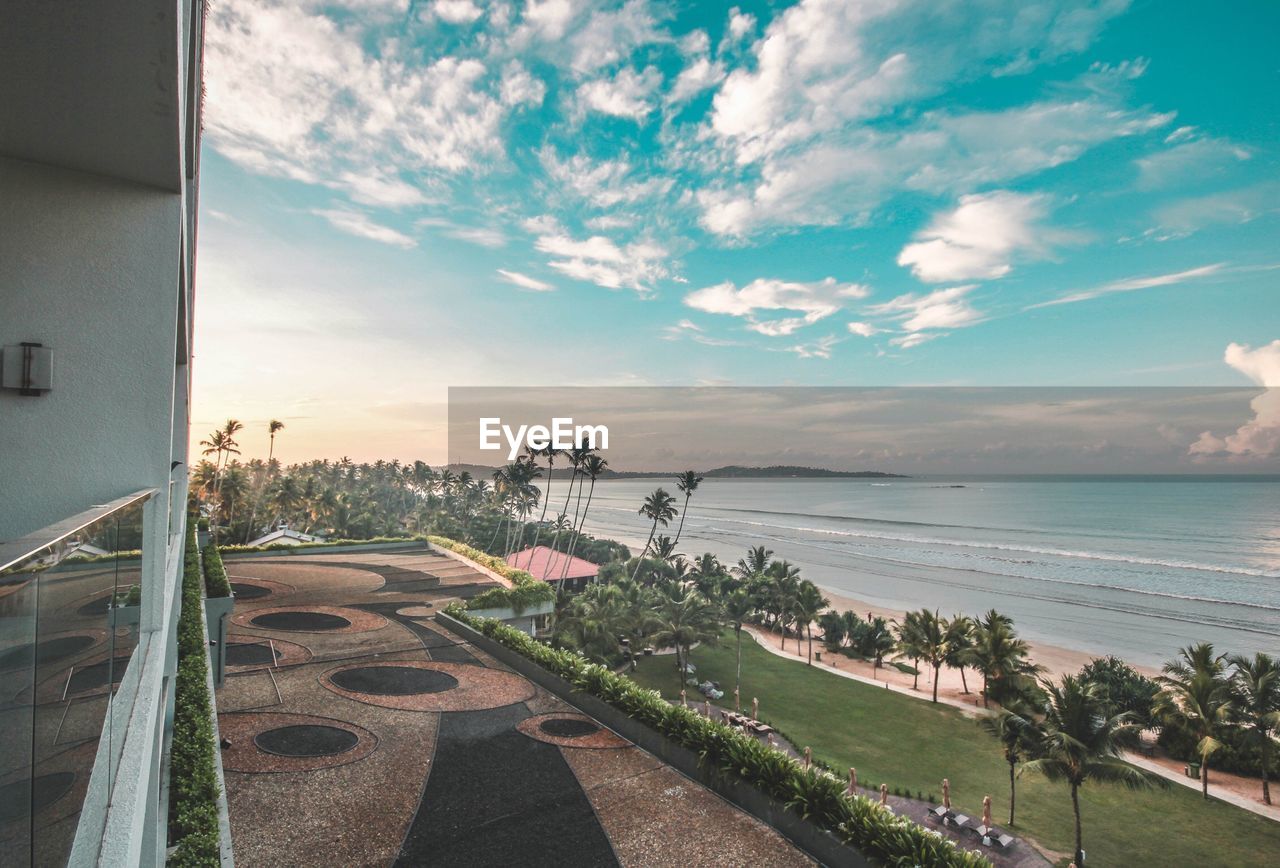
{"points": [[1132, 566]]}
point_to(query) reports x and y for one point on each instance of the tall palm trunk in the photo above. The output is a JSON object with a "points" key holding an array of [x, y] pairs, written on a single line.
{"points": [[555, 540], [683, 513], [546, 498], [1204, 777], [645, 550], [1266, 758], [1012, 791], [966, 688], [737, 678], [582, 522], [573, 528], [1075, 805], [936, 669], [808, 628]]}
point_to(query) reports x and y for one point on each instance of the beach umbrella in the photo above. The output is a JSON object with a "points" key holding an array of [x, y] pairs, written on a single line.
{"points": [[884, 794], [684, 699], [737, 700], [808, 756], [986, 812], [755, 708], [946, 794], [707, 707], [853, 780]]}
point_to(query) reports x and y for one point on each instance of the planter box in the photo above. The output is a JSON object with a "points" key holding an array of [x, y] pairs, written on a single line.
{"points": [[217, 614], [817, 842]]}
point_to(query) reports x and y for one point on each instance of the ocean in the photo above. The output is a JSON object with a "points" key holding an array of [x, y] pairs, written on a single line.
{"points": [[1132, 566]]}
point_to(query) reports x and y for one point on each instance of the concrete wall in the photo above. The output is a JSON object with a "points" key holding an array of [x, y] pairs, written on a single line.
{"points": [[89, 266]]}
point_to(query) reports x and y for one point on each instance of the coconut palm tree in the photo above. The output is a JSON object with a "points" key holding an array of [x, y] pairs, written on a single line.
{"points": [[1081, 744], [756, 563], [274, 427], [659, 508], [834, 629], [911, 642], [933, 643], [738, 607], [806, 606], [1196, 697], [1018, 736], [959, 637], [592, 466], [687, 483], [1255, 699], [549, 453], [1000, 656], [684, 619]]}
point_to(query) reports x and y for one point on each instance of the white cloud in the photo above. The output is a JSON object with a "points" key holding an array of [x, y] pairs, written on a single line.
{"points": [[977, 240], [1182, 217], [605, 183], [1188, 161], [813, 301], [626, 95], [701, 74], [485, 236], [599, 260], [915, 339], [519, 87], [1259, 438], [524, 281], [940, 309], [361, 225], [864, 329], [819, 349], [610, 36], [1129, 284], [687, 329], [740, 23], [375, 188], [456, 11]]}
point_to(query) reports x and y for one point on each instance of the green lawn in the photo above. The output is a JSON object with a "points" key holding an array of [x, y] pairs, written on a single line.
{"points": [[913, 744]]}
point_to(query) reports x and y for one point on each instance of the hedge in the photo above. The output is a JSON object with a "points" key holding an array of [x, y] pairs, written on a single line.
{"points": [[528, 591], [215, 574], [816, 794], [277, 547], [193, 777]]}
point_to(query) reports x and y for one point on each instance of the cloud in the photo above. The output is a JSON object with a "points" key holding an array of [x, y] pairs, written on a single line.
{"points": [[819, 349], [687, 329], [1193, 161], [864, 329], [599, 260], [524, 281], [941, 309], [519, 87], [701, 74], [626, 95], [484, 236], [376, 188], [361, 225], [813, 301], [1259, 438], [611, 36], [604, 183], [456, 11], [915, 339], [977, 240], [1129, 284], [1182, 217]]}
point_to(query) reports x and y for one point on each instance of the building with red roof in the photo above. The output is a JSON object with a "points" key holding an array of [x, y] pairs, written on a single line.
{"points": [[543, 562]]}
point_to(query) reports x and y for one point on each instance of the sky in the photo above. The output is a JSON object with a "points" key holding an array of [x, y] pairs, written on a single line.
{"points": [[401, 196]]}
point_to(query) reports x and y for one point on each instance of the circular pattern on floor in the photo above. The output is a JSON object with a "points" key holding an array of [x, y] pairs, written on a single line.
{"points": [[265, 742], [301, 622], [97, 675], [310, 619], [393, 680], [567, 729], [478, 687], [306, 740], [251, 654], [417, 610], [246, 591], [19, 797], [48, 651]]}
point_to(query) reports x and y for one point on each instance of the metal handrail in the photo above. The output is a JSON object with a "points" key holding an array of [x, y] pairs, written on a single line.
{"points": [[20, 549]]}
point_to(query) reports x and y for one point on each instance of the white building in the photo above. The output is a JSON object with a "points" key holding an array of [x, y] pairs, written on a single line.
{"points": [[99, 145], [283, 535]]}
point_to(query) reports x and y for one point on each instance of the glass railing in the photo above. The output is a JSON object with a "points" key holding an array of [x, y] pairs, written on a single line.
{"points": [[70, 607]]}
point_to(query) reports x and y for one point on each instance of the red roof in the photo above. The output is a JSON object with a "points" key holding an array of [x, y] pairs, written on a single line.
{"points": [[547, 564]]}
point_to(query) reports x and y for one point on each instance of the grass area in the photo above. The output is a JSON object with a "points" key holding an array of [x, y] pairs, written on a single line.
{"points": [[914, 744]]}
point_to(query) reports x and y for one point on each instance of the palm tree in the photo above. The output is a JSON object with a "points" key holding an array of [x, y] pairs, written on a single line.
{"points": [[1196, 697], [1081, 744], [593, 466], [1018, 737], [755, 564], [550, 453], [738, 607], [933, 643], [959, 636], [273, 427], [911, 642], [1255, 699], [1000, 656], [684, 619], [807, 604], [659, 508], [688, 483], [834, 629]]}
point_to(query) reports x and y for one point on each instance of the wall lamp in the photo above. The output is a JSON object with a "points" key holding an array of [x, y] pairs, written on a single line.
{"points": [[27, 368]]}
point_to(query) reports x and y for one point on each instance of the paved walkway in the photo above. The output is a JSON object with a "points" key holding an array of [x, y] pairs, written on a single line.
{"points": [[386, 741]]}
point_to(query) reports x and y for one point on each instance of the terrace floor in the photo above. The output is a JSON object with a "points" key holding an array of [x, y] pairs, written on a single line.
{"points": [[361, 734]]}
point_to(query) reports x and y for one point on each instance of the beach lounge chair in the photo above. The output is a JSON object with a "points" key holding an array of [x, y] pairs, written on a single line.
{"points": [[1003, 841], [960, 821]]}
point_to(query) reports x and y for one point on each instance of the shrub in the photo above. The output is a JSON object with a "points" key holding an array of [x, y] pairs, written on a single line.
{"points": [[284, 547], [814, 793], [215, 574], [1123, 687], [193, 777], [528, 591]]}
